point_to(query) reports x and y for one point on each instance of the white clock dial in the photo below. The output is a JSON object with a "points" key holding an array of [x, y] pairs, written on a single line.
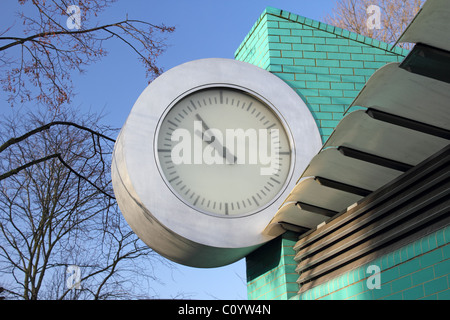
{"points": [[224, 152]]}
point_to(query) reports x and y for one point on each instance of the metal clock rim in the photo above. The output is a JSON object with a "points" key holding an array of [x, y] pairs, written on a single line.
{"points": [[155, 214], [254, 95]]}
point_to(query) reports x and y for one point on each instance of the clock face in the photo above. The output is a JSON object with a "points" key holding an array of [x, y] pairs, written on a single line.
{"points": [[223, 152]]}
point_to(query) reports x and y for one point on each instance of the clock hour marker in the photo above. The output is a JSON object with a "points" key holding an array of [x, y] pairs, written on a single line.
{"points": [[172, 123], [273, 179], [196, 200]]}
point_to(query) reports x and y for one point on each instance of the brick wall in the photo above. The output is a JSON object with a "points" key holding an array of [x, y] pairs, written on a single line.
{"points": [[327, 66], [419, 270], [271, 270]]}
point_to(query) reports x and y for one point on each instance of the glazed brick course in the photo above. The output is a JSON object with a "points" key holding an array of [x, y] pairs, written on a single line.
{"points": [[271, 270], [310, 56]]}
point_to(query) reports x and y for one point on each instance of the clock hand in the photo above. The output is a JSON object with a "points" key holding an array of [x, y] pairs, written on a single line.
{"points": [[211, 140], [224, 150]]}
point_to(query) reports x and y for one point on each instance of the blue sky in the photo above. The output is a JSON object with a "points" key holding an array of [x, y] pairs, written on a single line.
{"points": [[204, 29]]}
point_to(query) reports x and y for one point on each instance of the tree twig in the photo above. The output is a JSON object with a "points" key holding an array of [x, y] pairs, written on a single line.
{"points": [[52, 156], [48, 126]]}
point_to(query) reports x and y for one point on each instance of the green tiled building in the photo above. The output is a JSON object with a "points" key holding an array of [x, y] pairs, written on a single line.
{"points": [[328, 66]]}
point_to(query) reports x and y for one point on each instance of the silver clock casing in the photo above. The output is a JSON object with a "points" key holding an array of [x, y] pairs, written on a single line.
{"points": [[164, 222]]}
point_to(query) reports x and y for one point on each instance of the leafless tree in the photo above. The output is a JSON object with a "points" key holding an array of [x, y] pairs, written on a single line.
{"points": [[358, 16], [62, 212], [57, 206], [36, 65]]}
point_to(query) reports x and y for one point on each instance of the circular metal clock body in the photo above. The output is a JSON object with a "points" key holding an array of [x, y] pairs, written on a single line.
{"points": [[207, 155]]}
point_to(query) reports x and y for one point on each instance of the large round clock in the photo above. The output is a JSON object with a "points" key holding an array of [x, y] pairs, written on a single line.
{"points": [[223, 151], [209, 152]]}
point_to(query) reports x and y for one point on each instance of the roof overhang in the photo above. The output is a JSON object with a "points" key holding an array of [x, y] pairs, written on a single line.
{"points": [[405, 119]]}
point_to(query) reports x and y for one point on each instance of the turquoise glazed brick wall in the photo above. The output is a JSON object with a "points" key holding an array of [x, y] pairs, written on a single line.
{"points": [[255, 47], [327, 66], [271, 270], [420, 270]]}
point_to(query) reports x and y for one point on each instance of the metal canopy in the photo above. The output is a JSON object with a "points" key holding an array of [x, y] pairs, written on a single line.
{"points": [[406, 121], [331, 163], [430, 25], [358, 130], [313, 193], [293, 215], [396, 91]]}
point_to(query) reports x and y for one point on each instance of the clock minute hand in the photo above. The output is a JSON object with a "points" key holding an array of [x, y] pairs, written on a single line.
{"points": [[224, 151]]}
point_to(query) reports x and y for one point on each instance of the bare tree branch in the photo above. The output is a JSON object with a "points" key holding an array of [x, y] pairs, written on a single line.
{"points": [[17, 40], [84, 178], [29, 164], [49, 50], [58, 210], [395, 16], [47, 126]]}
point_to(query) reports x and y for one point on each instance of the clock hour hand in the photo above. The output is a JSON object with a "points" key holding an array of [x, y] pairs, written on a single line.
{"points": [[224, 151]]}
